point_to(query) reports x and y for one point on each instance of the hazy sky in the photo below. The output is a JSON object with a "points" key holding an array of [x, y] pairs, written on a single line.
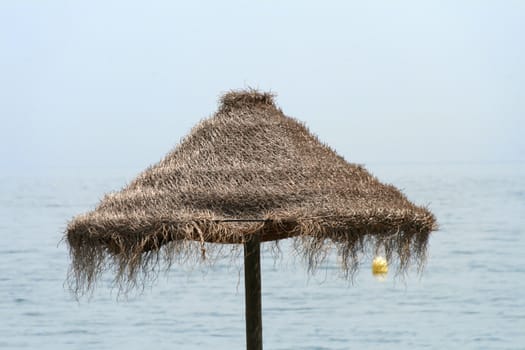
{"points": [[91, 84]]}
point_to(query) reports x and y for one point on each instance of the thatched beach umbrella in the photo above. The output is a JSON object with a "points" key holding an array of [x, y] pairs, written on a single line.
{"points": [[248, 174]]}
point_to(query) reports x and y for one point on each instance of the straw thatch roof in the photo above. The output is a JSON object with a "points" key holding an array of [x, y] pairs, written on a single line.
{"points": [[248, 169]]}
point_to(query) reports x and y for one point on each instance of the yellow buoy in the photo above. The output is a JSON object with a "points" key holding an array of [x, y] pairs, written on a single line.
{"points": [[379, 266]]}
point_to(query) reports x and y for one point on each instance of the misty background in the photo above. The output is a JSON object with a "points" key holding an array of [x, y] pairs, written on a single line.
{"points": [[105, 85]]}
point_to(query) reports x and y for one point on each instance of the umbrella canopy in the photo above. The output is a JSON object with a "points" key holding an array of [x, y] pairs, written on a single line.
{"points": [[247, 170]]}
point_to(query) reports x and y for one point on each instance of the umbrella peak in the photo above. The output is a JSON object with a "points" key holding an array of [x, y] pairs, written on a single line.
{"points": [[246, 98]]}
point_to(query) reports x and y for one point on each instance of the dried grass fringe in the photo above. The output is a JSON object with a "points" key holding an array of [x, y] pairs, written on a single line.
{"points": [[134, 269]]}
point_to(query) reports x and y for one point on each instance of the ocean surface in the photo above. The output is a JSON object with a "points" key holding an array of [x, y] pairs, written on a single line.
{"points": [[471, 294]]}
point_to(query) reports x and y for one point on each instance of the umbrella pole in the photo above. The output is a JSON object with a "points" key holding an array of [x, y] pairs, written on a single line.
{"points": [[252, 286]]}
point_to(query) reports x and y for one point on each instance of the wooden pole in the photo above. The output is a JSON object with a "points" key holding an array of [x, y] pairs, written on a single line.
{"points": [[252, 286]]}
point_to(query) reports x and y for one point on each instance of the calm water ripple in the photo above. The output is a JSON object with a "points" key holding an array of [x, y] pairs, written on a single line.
{"points": [[470, 296]]}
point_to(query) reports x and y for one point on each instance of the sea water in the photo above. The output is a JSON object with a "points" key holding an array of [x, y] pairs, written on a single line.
{"points": [[471, 294]]}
